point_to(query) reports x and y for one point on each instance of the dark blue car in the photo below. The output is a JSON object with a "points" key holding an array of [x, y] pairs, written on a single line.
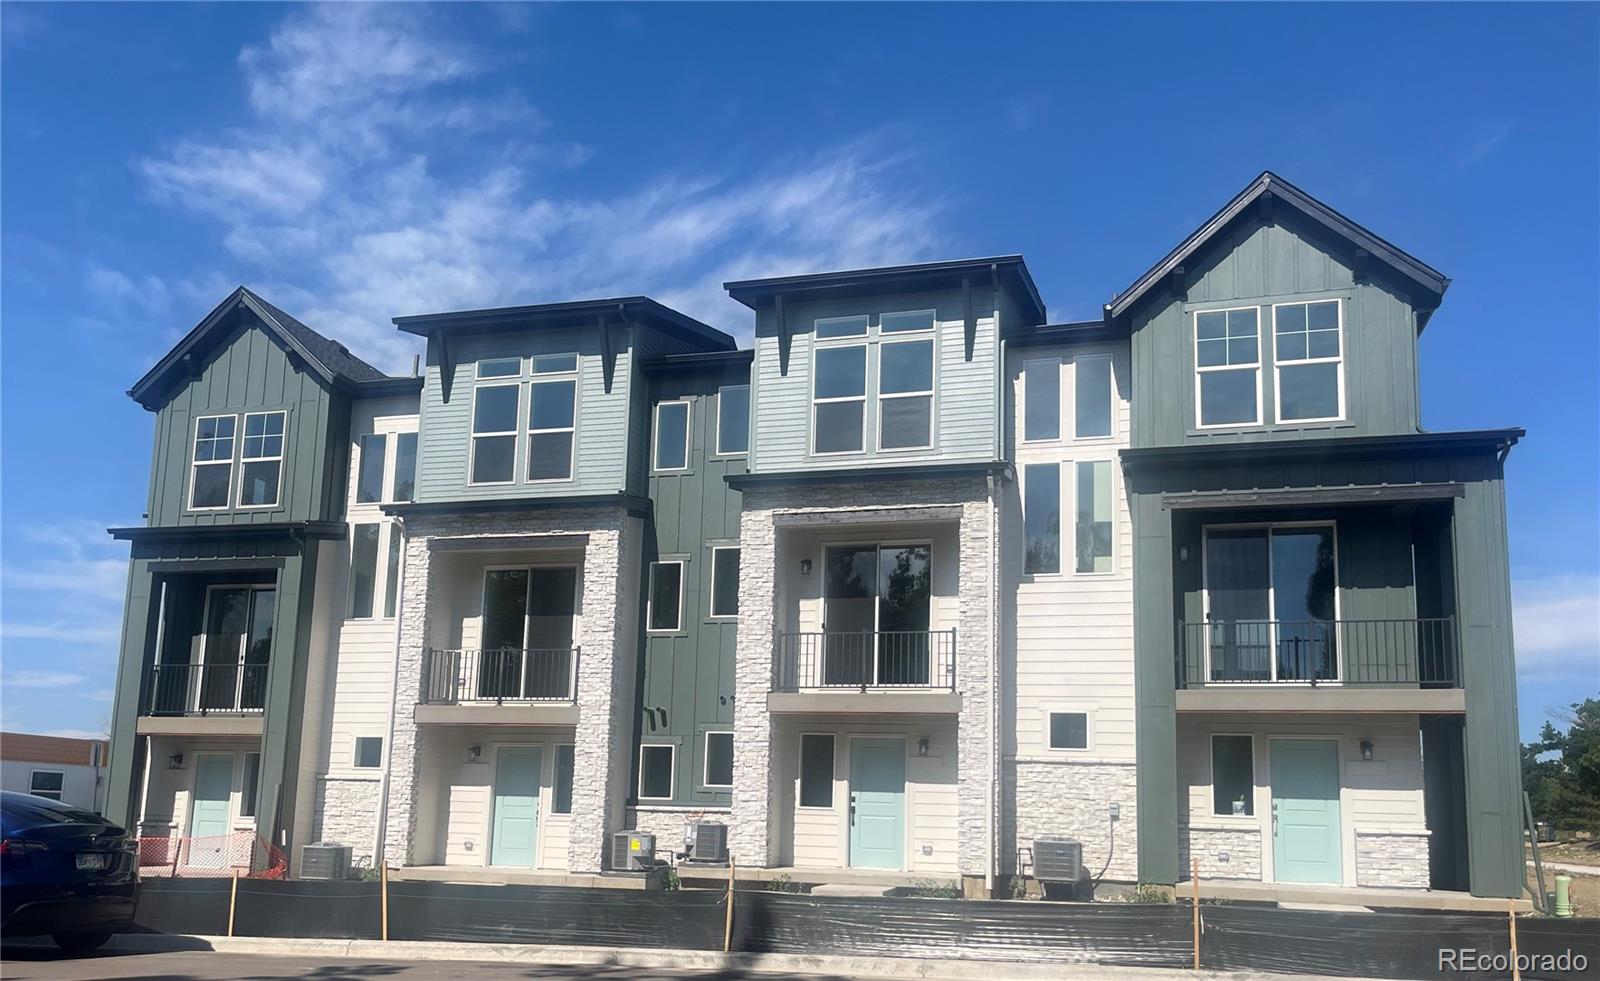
{"points": [[64, 872]]}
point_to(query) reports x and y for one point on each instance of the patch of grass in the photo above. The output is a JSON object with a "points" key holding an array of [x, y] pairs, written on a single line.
{"points": [[1145, 892], [783, 883], [934, 889]]}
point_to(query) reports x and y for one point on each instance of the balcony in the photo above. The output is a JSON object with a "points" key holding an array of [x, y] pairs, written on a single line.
{"points": [[1402, 664], [504, 686], [870, 671], [205, 699]]}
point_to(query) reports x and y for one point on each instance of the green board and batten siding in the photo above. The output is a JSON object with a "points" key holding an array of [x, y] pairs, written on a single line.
{"points": [[690, 674]]}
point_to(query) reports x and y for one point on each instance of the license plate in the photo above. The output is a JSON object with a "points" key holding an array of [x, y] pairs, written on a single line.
{"points": [[93, 860]]}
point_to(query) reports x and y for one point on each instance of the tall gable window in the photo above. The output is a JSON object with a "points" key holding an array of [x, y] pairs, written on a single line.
{"points": [[1041, 400], [1091, 397], [261, 459], [1308, 361], [1228, 367], [212, 473]]}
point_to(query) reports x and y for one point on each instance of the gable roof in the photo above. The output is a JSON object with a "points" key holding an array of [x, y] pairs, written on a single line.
{"points": [[1010, 270], [1269, 187], [323, 356]]}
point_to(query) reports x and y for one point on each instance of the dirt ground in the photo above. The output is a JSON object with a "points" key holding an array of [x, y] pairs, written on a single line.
{"points": [[1585, 888]]}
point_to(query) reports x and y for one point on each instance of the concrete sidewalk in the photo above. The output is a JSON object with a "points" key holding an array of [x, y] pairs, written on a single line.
{"points": [[928, 969]]}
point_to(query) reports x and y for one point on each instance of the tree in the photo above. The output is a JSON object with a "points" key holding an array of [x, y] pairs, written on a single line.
{"points": [[1561, 770]]}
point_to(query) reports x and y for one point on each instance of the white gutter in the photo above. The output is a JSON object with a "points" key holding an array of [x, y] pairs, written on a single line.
{"points": [[382, 828]]}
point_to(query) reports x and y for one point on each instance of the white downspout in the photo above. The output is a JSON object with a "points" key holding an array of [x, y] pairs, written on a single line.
{"points": [[382, 829]]}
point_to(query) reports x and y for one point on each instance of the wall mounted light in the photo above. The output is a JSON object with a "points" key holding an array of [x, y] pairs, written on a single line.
{"points": [[922, 746], [175, 761], [1183, 553], [1366, 749], [805, 567], [474, 753]]}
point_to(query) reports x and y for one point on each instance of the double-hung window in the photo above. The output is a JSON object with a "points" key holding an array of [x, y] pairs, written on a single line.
{"points": [[671, 450], [1308, 363], [905, 381], [1094, 527], [211, 478], [494, 423], [1227, 357], [261, 459], [552, 417], [839, 397]]}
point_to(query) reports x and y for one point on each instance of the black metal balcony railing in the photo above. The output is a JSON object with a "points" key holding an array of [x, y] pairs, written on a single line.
{"points": [[207, 689], [866, 660], [1395, 652], [507, 675]]}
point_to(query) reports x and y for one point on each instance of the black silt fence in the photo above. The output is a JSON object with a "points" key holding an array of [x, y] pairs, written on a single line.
{"points": [[183, 906], [1151, 936], [298, 908], [690, 920]]}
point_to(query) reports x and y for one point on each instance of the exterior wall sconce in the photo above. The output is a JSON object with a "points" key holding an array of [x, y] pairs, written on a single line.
{"points": [[805, 567], [474, 753], [1366, 749], [175, 761], [922, 746], [1183, 553]]}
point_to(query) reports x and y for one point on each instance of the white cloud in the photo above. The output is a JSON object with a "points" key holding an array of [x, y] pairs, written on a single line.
{"points": [[102, 695], [1558, 625], [42, 679], [70, 578], [345, 198], [1485, 139]]}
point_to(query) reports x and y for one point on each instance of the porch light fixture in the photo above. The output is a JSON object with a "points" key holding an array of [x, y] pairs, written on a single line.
{"points": [[1366, 749], [922, 746], [474, 753], [805, 567], [1183, 553], [175, 761]]}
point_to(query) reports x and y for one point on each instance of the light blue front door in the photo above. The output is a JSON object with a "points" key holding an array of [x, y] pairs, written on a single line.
{"points": [[877, 803], [209, 813], [516, 806], [1305, 811]]}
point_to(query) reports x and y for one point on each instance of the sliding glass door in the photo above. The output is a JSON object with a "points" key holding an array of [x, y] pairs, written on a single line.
{"points": [[1270, 603], [236, 649], [876, 615], [527, 632]]}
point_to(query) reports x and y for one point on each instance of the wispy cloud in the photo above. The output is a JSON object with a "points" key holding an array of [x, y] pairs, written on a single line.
{"points": [[67, 585], [1558, 626], [343, 195], [1484, 140], [42, 679]]}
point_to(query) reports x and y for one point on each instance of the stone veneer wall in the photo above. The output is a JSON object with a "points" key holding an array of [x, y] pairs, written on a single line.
{"points": [[605, 679], [1240, 846], [1070, 799], [966, 500], [347, 813], [1392, 859]]}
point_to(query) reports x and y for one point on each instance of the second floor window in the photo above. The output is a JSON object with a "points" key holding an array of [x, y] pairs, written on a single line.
{"points": [[733, 419], [1041, 400], [1227, 357], [1094, 528], [494, 434], [404, 487], [261, 459], [369, 478], [672, 436], [212, 472], [665, 600], [552, 423], [1041, 518], [905, 394], [1091, 397], [839, 399], [1307, 361]]}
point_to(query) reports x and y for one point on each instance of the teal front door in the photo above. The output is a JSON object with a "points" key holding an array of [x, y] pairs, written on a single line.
{"points": [[877, 803], [516, 806], [210, 811], [1305, 811]]}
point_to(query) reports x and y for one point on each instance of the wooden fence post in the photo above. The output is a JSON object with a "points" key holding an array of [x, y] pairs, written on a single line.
{"points": [[383, 879], [727, 929], [1194, 880], [233, 899], [1516, 969]]}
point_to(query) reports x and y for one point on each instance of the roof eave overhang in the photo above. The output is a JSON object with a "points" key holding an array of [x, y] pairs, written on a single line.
{"points": [[576, 314], [631, 503], [856, 475], [204, 533], [860, 282], [1468, 443]]}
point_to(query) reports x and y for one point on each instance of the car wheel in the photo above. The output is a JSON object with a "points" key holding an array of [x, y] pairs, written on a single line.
{"points": [[77, 943]]}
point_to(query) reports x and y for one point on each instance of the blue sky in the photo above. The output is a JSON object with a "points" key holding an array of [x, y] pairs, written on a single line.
{"points": [[355, 163]]}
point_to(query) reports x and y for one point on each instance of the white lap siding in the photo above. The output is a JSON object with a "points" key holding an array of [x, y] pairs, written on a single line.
{"points": [[459, 830], [1068, 644], [1383, 838]]}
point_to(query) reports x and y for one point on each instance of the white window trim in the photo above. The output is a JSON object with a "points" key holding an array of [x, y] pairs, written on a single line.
{"points": [[1277, 364], [473, 435], [1022, 421], [1272, 595], [391, 467], [931, 339], [194, 466], [800, 773], [1194, 355], [1068, 708], [866, 370], [705, 758], [477, 370], [533, 364], [655, 436], [244, 639], [555, 770], [1109, 368], [379, 572], [1115, 565], [932, 328], [749, 415], [816, 328], [361, 462], [672, 771], [650, 600], [1211, 771], [711, 601], [1062, 490], [59, 794], [355, 743], [557, 378], [283, 439]]}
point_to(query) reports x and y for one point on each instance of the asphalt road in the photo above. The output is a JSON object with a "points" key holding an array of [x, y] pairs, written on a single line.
{"points": [[32, 962]]}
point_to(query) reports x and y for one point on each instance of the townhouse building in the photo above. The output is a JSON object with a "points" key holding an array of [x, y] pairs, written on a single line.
{"points": [[916, 579]]}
